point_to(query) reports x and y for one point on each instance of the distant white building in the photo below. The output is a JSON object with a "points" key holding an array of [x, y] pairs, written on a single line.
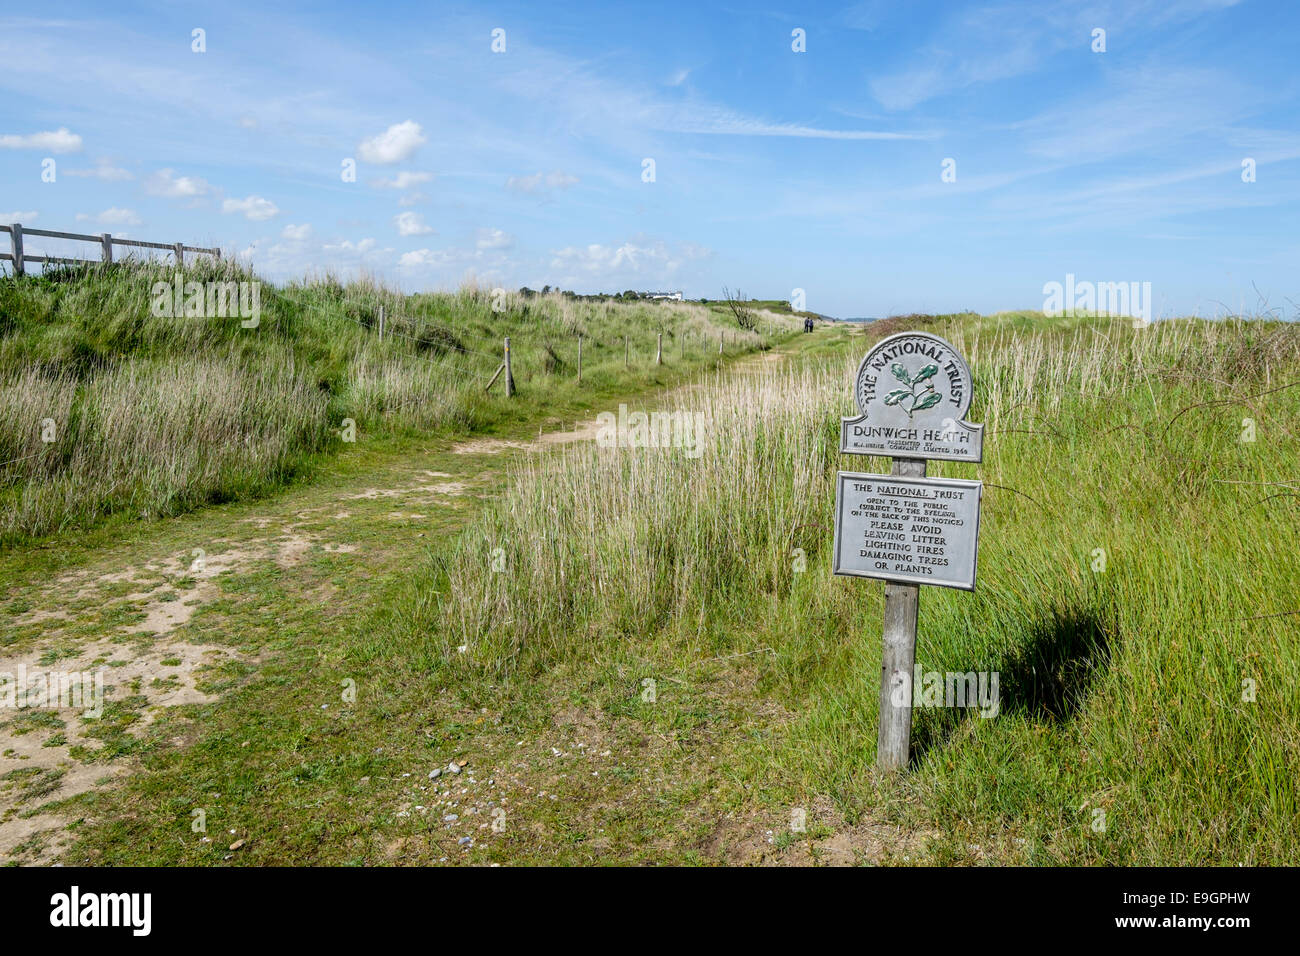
{"points": [[676, 296]]}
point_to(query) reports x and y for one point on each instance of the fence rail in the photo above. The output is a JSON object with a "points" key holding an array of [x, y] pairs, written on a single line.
{"points": [[106, 243]]}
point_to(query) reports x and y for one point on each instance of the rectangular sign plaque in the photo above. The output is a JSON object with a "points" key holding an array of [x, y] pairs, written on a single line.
{"points": [[907, 530], [953, 441]]}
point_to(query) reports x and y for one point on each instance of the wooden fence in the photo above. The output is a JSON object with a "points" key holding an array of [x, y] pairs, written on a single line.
{"points": [[106, 244]]}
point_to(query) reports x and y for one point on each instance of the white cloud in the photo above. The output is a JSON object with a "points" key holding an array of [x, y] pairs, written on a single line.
{"points": [[103, 170], [254, 208], [403, 180], [296, 233], [411, 224], [412, 199], [166, 183], [7, 218], [494, 239], [540, 182], [362, 247], [113, 217], [395, 144], [58, 141], [423, 257], [489, 252], [631, 260]]}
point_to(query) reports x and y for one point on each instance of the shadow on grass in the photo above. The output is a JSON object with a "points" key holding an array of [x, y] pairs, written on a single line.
{"points": [[1047, 677], [1054, 671]]}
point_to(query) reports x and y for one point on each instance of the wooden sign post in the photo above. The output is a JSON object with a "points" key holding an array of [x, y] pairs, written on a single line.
{"points": [[913, 390]]}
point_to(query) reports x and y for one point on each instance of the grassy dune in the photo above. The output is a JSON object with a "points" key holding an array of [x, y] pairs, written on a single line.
{"points": [[110, 410], [1138, 594]]}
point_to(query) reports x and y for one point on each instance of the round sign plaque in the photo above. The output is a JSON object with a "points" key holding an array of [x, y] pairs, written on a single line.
{"points": [[912, 373], [913, 390]]}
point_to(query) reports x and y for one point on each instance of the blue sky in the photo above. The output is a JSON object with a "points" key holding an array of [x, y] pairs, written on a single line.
{"points": [[774, 169]]}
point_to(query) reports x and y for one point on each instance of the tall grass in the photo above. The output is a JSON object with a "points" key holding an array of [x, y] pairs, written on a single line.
{"points": [[151, 437], [1138, 590], [110, 408]]}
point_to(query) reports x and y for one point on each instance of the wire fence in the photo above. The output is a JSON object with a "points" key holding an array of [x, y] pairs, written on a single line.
{"points": [[383, 327]]}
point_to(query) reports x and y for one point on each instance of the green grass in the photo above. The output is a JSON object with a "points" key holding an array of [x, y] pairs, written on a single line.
{"points": [[1125, 686], [655, 680], [108, 409], [264, 757]]}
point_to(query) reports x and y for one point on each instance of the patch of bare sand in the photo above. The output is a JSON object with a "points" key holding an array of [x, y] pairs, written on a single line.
{"points": [[582, 431], [428, 491], [36, 761], [587, 430], [141, 659], [164, 616], [485, 446], [41, 616], [769, 839]]}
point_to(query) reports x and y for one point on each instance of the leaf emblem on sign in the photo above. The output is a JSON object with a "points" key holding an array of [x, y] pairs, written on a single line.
{"points": [[915, 398]]}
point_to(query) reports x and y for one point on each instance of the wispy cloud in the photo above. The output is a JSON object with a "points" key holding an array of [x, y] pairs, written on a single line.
{"points": [[494, 239], [541, 183], [1002, 40], [61, 140], [403, 180], [102, 170], [112, 217]]}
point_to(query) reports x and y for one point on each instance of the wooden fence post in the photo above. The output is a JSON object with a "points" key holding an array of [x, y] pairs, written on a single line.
{"points": [[180, 253], [579, 359], [16, 241], [659, 350], [510, 380], [106, 243]]}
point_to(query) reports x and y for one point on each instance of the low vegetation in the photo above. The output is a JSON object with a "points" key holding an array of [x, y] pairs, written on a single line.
{"points": [[1137, 592], [109, 409], [641, 654]]}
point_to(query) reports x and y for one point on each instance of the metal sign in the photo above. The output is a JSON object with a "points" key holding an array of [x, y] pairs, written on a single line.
{"points": [[910, 530], [913, 390]]}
